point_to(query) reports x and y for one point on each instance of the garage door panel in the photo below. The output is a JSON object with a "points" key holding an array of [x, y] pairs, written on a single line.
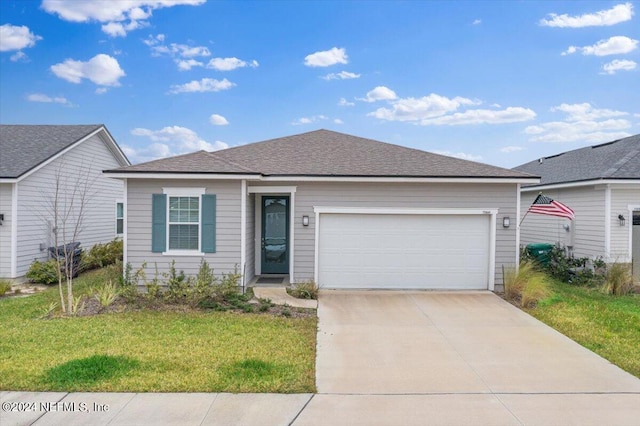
{"points": [[403, 251]]}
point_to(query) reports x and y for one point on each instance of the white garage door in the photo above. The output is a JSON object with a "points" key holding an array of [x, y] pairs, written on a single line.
{"points": [[403, 251]]}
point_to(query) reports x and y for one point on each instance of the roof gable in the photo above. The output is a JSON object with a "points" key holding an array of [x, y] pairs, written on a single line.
{"points": [[25, 147], [325, 153], [618, 159]]}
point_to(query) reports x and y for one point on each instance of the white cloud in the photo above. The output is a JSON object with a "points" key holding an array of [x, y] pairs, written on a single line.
{"points": [[461, 155], [380, 93], [102, 70], [118, 16], [41, 97], [218, 120], [327, 58], [19, 56], [618, 65], [477, 22], [342, 75], [169, 141], [177, 49], [344, 102], [230, 64], [615, 15], [483, 116], [511, 148], [13, 37], [583, 123], [309, 120], [615, 45], [338, 121], [187, 64], [152, 40], [101, 90], [204, 85], [435, 109]]}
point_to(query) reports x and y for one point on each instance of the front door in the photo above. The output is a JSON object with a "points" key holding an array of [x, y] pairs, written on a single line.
{"points": [[275, 235], [635, 244]]}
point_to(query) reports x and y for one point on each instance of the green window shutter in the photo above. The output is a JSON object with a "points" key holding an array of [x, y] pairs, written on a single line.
{"points": [[208, 223], [159, 223]]}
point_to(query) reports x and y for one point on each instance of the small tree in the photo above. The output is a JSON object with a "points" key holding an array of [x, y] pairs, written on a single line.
{"points": [[67, 207]]}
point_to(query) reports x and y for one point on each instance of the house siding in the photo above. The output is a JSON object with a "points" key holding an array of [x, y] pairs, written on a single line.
{"points": [[227, 255], [586, 235], [621, 197], [404, 195], [5, 229], [85, 161]]}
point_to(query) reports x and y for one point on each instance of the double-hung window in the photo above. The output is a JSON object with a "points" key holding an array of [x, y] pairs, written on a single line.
{"points": [[183, 221], [119, 218]]}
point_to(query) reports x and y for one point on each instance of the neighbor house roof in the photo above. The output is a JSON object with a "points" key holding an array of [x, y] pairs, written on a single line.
{"points": [[24, 147], [619, 159], [323, 153]]}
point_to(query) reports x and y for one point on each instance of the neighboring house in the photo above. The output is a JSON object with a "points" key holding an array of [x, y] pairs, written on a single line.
{"points": [[344, 211], [33, 159], [601, 183]]}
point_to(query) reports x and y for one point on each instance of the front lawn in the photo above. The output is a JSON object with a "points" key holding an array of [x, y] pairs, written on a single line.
{"points": [[152, 351], [607, 325]]}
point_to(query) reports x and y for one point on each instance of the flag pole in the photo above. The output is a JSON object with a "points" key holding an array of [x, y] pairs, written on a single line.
{"points": [[525, 215]]}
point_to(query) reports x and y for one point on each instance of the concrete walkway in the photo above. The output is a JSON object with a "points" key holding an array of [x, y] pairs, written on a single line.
{"points": [[279, 296], [390, 358]]}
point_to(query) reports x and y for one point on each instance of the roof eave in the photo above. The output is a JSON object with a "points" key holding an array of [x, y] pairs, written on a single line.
{"points": [[577, 183]]}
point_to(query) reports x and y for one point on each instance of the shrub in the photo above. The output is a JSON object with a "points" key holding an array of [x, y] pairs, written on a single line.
{"points": [[526, 286], [5, 286], [618, 279], [43, 272], [107, 294], [178, 286], [304, 290], [101, 255]]}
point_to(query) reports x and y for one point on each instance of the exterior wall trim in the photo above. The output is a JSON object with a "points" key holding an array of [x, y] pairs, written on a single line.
{"points": [[271, 189], [616, 182], [607, 222], [493, 212], [243, 229], [518, 212], [125, 223], [14, 231]]}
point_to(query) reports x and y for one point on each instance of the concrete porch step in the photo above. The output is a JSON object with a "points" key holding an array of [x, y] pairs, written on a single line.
{"points": [[279, 296]]}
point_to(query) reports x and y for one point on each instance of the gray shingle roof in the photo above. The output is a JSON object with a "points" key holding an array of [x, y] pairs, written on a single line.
{"points": [[619, 159], [325, 153], [23, 147]]}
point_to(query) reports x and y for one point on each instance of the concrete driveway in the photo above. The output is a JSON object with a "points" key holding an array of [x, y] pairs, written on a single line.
{"points": [[389, 357]]}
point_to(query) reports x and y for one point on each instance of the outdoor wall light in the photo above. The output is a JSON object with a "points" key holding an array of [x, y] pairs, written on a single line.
{"points": [[566, 227], [621, 219], [1, 218], [506, 222], [305, 220]]}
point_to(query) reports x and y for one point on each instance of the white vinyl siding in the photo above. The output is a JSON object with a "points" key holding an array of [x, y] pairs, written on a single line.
{"points": [[5, 229], [622, 196], [586, 232], [35, 214], [227, 255], [400, 195]]}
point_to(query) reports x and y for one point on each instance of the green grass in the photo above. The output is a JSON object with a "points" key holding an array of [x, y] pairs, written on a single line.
{"points": [[608, 325], [152, 351]]}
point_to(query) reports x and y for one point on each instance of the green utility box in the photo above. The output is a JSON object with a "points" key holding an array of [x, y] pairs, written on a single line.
{"points": [[540, 252]]}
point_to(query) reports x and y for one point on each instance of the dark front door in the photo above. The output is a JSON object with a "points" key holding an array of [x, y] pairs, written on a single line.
{"points": [[275, 235]]}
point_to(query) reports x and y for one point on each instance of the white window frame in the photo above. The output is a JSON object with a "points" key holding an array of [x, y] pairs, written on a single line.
{"points": [[184, 192], [119, 234]]}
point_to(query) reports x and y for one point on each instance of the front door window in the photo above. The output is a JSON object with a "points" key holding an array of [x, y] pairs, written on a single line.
{"points": [[275, 235]]}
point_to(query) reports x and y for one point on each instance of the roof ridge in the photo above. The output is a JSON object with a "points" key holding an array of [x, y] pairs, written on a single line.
{"points": [[232, 163]]}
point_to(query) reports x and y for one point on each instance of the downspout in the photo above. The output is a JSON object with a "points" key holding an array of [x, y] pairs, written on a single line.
{"points": [[517, 228]]}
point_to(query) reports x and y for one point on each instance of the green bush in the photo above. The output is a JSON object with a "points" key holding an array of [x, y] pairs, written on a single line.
{"points": [[5, 286], [618, 279], [43, 272], [101, 255]]}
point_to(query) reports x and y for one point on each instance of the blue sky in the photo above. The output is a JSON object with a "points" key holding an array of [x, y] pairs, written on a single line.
{"points": [[501, 82]]}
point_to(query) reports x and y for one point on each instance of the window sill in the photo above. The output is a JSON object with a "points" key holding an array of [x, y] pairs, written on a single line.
{"points": [[183, 253]]}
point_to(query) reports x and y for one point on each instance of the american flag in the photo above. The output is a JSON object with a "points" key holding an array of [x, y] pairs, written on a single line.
{"points": [[545, 205]]}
